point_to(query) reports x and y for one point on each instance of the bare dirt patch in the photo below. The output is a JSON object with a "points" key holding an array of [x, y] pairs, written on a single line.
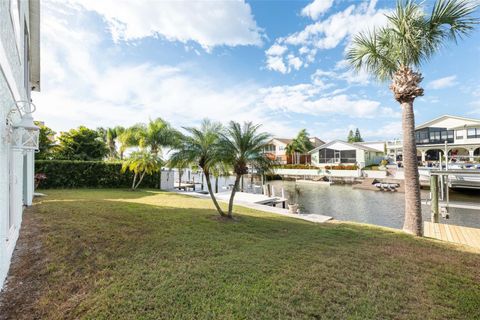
{"points": [[24, 285]]}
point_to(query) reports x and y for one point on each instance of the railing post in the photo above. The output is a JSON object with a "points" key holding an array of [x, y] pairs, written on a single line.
{"points": [[434, 193]]}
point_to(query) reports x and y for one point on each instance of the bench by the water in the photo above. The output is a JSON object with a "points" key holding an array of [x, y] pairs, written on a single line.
{"points": [[184, 186]]}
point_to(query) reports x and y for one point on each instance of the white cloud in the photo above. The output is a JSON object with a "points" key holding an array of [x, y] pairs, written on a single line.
{"points": [[275, 63], [276, 50], [445, 82], [315, 9], [389, 130], [349, 76], [82, 84], [294, 62], [209, 23], [312, 100], [330, 32]]}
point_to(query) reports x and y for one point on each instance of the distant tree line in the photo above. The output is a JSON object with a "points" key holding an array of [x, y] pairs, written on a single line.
{"points": [[354, 137]]}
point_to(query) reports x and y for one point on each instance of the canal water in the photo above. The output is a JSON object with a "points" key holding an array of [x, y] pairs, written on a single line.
{"points": [[342, 202]]}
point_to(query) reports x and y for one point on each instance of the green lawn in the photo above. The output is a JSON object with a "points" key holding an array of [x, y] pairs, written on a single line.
{"points": [[111, 254]]}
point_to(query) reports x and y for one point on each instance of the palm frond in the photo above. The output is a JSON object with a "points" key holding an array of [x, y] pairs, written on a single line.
{"points": [[371, 51], [410, 37]]}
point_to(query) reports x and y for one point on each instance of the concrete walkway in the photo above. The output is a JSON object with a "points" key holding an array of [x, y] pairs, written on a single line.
{"points": [[315, 218]]}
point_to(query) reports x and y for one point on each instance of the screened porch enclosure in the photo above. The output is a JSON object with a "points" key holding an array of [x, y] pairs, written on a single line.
{"points": [[328, 155]]}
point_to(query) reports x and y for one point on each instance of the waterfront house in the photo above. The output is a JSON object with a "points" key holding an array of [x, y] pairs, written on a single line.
{"points": [[459, 135], [19, 75], [339, 152], [276, 149]]}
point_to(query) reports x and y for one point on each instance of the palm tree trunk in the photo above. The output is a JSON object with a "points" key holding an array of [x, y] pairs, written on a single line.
{"points": [[413, 209], [216, 184], [210, 191], [140, 181], [180, 179], [232, 195], [134, 179]]}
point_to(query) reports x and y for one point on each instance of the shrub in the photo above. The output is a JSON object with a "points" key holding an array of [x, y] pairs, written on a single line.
{"points": [[87, 174], [39, 177], [373, 167], [342, 167], [296, 166]]}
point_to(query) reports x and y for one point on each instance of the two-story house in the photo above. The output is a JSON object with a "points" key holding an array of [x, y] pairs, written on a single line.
{"points": [[276, 149], [459, 136], [19, 75]]}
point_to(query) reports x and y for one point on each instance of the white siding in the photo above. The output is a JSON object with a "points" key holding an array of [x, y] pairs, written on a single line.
{"points": [[16, 167]]}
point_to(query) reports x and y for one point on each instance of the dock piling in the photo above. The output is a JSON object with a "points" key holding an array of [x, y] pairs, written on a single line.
{"points": [[434, 195]]}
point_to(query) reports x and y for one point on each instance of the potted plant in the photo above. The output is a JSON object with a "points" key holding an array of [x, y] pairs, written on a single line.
{"points": [[39, 177], [293, 205], [383, 165]]}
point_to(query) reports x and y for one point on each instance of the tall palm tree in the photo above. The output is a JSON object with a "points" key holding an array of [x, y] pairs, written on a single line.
{"points": [[396, 52], [291, 150], [240, 147], [300, 145], [141, 163], [126, 139], [200, 148], [155, 135], [112, 134]]}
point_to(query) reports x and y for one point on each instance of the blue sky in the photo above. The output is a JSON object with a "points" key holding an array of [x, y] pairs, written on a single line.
{"points": [[279, 63]]}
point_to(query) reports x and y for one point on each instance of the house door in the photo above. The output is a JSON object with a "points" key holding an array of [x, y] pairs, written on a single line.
{"points": [[337, 156]]}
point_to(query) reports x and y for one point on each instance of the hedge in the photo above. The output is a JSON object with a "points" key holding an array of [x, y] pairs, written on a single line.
{"points": [[342, 167], [87, 174], [296, 166]]}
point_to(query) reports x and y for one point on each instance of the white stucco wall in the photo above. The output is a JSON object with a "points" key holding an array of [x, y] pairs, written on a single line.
{"points": [[13, 173], [298, 172], [168, 179], [318, 172]]}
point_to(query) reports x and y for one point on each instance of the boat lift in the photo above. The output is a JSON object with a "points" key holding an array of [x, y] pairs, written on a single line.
{"points": [[440, 183]]}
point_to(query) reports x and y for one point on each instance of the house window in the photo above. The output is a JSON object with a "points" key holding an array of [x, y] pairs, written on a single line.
{"points": [[434, 136], [270, 148], [443, 135], [450, 135], [473, 133], [348, 156]]}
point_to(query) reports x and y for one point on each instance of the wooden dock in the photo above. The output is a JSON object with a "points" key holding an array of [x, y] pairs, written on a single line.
{"points": [[184, 186], [452, 233], [252, 198], [260, 202]]}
